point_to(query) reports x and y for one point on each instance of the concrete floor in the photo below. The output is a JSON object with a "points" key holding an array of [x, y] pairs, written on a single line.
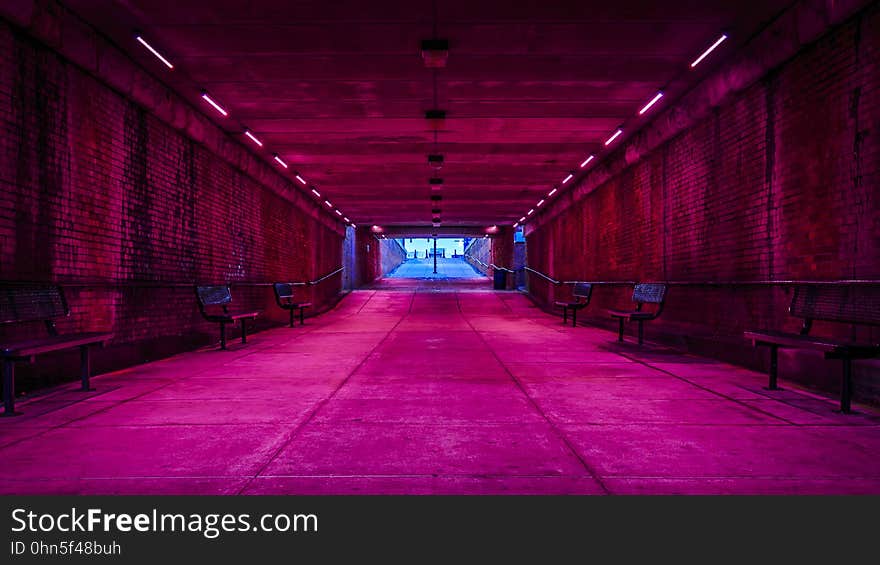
{"points": [[436, 386]]}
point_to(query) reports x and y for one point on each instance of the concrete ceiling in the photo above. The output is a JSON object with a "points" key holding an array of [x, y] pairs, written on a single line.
{"points": [[339, 89]]}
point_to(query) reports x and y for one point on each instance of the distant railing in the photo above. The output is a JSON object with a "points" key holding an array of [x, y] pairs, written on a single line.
{"points": [[175, 284], [477, 261], [705, 283]]}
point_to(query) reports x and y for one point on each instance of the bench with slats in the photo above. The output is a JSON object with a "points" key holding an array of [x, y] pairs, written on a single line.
{"points": [[581, 294], [843, 304], [285, 300], [21, 304], [214, 304], [643, 293]]}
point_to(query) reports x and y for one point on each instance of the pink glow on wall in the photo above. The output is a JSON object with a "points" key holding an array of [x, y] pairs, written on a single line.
{"points": [[216, 106], [718, 42], [158, 55]]}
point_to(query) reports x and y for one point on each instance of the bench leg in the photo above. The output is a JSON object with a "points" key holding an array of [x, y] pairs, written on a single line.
{"points": [[291, 317], [243, 331], [8, 387], [620, 330], [641, 331], [846, 386], [302, 317], [85, 368], [774, 368], [574, 317], [222, 335]]}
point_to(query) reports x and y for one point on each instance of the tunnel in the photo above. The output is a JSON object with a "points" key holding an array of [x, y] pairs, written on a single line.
{"points": [[442, 247]]}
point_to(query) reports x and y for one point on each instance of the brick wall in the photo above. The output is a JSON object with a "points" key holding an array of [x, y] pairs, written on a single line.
{"points": [[375, 257], [98, 194], [778, 182]]}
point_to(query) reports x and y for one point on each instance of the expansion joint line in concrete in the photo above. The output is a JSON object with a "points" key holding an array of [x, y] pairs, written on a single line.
{"points": [[559, 433], [317, 408]]}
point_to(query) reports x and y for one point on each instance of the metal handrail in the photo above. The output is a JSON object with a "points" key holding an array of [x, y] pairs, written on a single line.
{"points": [[472, 258], [497, 268], [321, 279], [542, 275], [160, 284]]}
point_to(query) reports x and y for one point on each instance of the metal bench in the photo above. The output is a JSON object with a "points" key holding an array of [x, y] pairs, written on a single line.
{"points": [[214, 305], [644, 293], [284, 299], [855, 305], [581, 294], [41, 303]]}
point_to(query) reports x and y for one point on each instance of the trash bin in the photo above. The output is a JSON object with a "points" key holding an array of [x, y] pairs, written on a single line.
{"points": [[500, 280]]}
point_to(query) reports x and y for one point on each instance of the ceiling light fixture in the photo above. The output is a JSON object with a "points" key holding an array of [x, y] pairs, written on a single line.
{"points": [[158, 55], [435, 52], [568, 178], [540, 203], [530, 212], [435, 161], [653, 101], [338, 213], [552, 192], [315, 192], [347, 221], [252, 137], [211, 101], [279, 160], [515, 224], [523, 219], [300, 179], [327, 202], [718, 42], [587, 161], [613, 137]]}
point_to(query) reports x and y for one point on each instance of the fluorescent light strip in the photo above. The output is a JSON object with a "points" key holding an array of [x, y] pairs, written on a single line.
{"points": [[516, 224], [248, 133], [568, 178], [613, 137], [552, 192], [316, 193], [530, 212], [327, 202], [216, 106], [651, 103], [347, 221], [587, 161], [718, 42], [280, 162], [338, 213], [154, 52], [540, 203], [523, 219], [301, 180]]}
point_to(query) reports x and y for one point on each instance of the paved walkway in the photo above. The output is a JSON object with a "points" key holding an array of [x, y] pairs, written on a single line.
{"points": [[446, 269], [425, 386]]}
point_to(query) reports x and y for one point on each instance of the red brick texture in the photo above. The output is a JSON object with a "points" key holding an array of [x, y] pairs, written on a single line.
{"points": [[779, 182], [101, 196], [375, 257]]}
